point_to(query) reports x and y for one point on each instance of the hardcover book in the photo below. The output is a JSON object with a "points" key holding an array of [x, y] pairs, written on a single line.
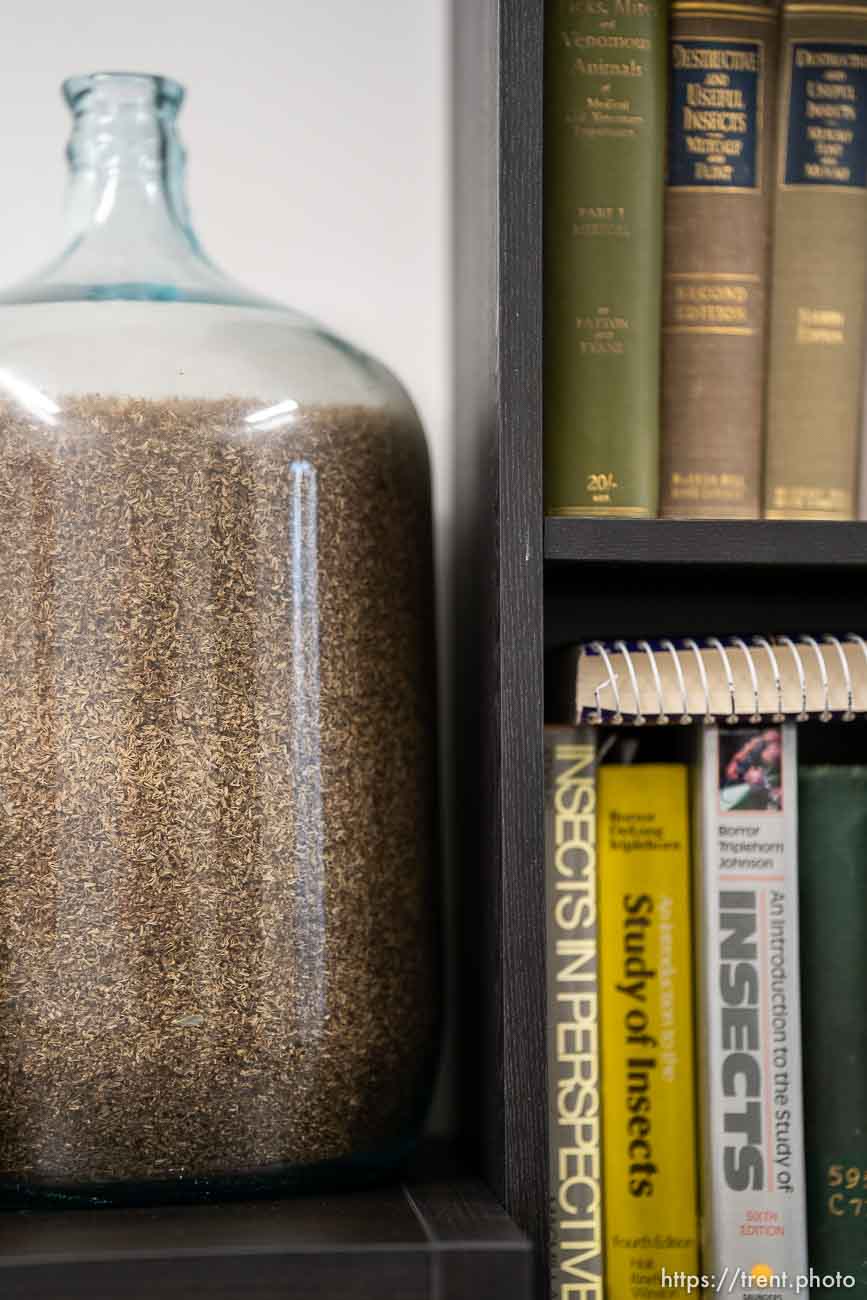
{"points": [[753, 1219], [605, 85], [574, 1123], [819, 264], [722, 84], [833, 851], [648, 1117]]}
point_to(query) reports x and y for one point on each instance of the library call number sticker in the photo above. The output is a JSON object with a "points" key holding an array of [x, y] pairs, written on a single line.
{"points": [[844, 1180]]}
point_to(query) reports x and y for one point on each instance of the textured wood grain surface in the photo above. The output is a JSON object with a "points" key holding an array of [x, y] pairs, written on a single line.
{"points": [[781, 544], [436, 1237], [498, 159]]}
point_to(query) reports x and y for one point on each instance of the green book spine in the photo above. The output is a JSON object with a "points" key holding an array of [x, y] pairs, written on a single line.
{"points": [[819, 263], [833, 872], [605, 92]]}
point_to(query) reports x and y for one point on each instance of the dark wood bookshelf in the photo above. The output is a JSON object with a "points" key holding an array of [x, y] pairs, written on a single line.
{"points": [[498, 658], [438, 1235], [745, 543], [529, 587], [701, 579], [442, 1233], [610, 578]]}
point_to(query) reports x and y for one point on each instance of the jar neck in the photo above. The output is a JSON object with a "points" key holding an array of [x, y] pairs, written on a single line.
{"points": [[127, 174], [129, 231], [127, 214]]}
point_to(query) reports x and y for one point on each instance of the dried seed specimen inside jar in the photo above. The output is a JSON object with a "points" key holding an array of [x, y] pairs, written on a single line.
{"points": [[216, 813]]}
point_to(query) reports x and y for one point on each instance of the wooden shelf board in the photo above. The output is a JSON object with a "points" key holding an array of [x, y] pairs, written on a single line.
{"points": [[706, 542], [436, 1236]]}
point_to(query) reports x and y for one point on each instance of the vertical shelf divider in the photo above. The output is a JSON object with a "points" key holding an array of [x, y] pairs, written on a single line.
{"points": [[499, 660]]}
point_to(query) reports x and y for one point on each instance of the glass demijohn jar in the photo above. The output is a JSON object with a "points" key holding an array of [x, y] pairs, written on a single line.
{"points": [[218, 949]]}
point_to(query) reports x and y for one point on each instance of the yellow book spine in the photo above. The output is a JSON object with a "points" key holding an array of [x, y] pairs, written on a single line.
{"points": [[648, 1059]]}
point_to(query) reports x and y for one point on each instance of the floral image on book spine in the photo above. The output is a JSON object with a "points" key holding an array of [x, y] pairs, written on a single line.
{"points": [[750, 771]]}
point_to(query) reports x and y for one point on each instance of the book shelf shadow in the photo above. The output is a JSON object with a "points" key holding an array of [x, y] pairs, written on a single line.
{"points": [[588, 601]]}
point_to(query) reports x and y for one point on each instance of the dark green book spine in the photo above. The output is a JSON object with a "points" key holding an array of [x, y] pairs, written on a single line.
{"points": [[605, 97], [833, 876]]}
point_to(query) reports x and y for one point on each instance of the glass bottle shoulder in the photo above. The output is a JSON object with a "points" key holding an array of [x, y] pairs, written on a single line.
{"points": [[165, 350]]}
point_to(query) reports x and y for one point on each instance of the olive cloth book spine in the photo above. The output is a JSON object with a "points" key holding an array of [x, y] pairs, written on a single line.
{"points": [[819, 264], [753, 1204], [648, 1115], [833, 888], [605, 87], [721, 113], [574, 1137]]}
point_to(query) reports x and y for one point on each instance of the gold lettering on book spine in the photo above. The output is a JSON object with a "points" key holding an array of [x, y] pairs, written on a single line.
{"points": [[711, 303], [715, 120]]}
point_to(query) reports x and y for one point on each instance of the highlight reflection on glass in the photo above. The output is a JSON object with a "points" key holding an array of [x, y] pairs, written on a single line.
{"points": [[29, 397], [273, 417], [306, 755]]}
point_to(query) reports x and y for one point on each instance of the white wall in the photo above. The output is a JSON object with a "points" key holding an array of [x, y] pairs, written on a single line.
{"points": [[317, 135], [317, 138]]}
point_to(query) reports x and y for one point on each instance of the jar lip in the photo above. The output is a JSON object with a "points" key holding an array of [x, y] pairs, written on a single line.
{"points": [[162, 92]]}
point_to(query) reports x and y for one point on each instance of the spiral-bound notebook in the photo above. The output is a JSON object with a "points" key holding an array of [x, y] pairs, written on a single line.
{"points": [[720, 679]]}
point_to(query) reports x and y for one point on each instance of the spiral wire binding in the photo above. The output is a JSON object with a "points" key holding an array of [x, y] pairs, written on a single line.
{"points": [[858, 640], [638, 720], [779, 716], [823, 675], [744, 648], [612, 682], [661, 716], [799, 667], [769, 646], [685, 716], [847, 676], [691, 645], [715, 644]]}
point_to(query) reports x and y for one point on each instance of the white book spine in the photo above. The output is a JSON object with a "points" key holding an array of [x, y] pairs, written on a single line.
{"points": [[754, 1211]]}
